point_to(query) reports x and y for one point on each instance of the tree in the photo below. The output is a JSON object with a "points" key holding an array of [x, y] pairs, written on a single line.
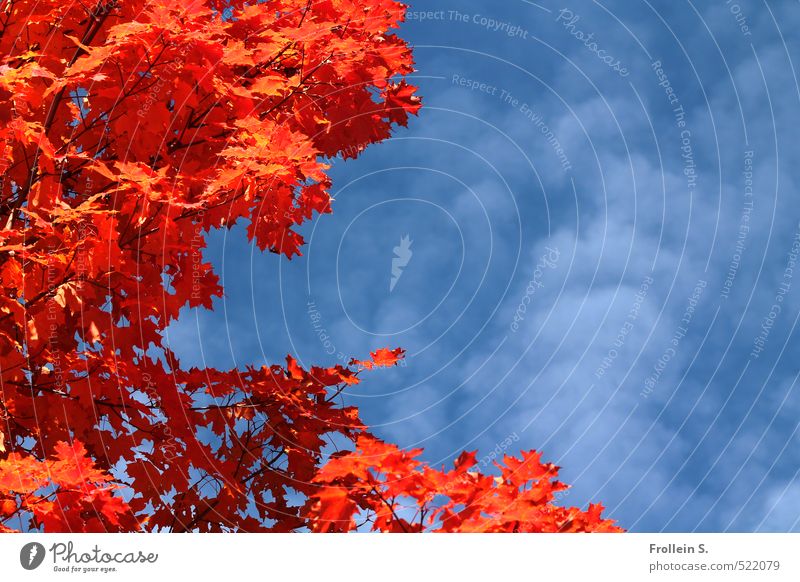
{"points": [[129, 129]]}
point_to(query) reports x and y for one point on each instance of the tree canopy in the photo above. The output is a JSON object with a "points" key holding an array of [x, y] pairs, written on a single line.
{"points": [[129, 130]]}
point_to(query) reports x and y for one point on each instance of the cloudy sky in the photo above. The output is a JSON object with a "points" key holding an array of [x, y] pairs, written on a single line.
{"points": [[601, 199]]}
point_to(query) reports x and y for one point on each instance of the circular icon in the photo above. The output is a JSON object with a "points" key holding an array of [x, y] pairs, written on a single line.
{"points": [[31, 555]]}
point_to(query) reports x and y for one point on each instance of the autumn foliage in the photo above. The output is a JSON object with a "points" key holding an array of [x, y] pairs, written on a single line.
{"points": [[128, 130]]}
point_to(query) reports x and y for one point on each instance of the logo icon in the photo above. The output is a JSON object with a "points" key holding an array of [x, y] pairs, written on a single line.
{"points": [[402, 256], [31, 555]]}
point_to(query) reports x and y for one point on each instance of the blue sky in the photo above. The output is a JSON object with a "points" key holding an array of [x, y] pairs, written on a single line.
{"points": [[601, 199]]}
